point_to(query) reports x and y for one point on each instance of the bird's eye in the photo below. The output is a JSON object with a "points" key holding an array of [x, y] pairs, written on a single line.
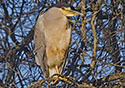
{"points": [[62, 8]]}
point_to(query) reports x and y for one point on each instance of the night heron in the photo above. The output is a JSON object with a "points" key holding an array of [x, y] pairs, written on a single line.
{"points": [[52, 38]]}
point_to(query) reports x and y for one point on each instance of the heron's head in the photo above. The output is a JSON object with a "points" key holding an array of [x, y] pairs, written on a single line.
{"points": [[66, 10]]}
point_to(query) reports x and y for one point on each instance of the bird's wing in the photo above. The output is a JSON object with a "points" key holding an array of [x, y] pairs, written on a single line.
{"points": [[40, 48], [67, 53]]}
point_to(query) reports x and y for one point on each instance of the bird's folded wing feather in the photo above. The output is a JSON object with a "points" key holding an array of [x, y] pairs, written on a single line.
{"points": [[66, 56], [40, 48]]}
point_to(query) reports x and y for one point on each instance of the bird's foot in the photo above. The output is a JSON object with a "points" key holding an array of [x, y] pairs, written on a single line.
{"points": [[61, 78], [58, 78]]}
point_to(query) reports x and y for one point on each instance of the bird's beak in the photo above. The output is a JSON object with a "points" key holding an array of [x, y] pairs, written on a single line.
{"points": [[69, 12], [72, 12]]}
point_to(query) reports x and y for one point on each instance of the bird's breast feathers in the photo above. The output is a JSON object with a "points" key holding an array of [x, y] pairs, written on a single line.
{"points": [[56, 47]]}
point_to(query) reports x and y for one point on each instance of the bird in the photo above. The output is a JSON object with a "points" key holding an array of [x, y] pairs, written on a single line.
{"points": [[52, 38]]}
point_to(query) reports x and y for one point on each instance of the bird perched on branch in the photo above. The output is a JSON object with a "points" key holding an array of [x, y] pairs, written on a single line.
{"points": [[52, 38]]}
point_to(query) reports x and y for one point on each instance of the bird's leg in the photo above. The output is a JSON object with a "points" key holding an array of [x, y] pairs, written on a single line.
{"points": [[57, 71]]}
